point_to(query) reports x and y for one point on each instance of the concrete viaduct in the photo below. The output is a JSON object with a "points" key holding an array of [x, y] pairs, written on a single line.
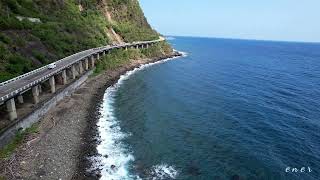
{"points": [[70, 67]]}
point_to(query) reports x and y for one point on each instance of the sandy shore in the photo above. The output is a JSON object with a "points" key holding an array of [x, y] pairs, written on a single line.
{"points": [[66, 134]]}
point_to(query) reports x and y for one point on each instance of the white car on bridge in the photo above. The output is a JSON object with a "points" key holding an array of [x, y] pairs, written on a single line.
{"points": [[52, 66]]}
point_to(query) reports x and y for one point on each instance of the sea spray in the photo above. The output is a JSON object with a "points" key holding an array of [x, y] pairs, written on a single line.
{"points": [[163, 171], [114, 156]]}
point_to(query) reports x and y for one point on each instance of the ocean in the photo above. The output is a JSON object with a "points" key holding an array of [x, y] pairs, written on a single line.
{"points": [[228, 109]]}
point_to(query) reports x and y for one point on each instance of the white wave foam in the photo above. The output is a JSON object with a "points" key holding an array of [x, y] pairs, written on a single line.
{"points": [[114, 157], [163, 171], [170, 38], [184, 54]]}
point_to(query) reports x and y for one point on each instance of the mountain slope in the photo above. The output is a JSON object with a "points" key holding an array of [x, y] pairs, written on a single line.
{"points": [[36, 32]]}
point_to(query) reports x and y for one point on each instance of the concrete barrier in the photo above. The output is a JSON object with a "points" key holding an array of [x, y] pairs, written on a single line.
{"points": [[42, 108]]}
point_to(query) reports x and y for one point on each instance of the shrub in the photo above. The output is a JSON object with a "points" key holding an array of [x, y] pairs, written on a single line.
{"points": [[40, 56], [3, 52], [10, 23], [5, 38], [18, 65], [6, 76], [13, 5], [20, 41]]}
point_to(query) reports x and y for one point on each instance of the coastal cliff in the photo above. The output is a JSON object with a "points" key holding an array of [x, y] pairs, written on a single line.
{"points": [[36, 33]]}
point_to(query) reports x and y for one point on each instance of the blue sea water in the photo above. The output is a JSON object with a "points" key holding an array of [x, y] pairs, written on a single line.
{"points": [[229, 109]]}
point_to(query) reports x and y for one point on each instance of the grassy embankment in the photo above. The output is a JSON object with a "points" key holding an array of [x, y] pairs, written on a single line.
{"points": [[119, 57], [18, 139]]}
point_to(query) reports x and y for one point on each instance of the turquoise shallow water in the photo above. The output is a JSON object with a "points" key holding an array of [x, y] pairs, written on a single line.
{"points": [[231, 108]]}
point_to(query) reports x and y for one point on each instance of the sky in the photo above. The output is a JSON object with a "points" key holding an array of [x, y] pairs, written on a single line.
{"points": [[281, 20]]}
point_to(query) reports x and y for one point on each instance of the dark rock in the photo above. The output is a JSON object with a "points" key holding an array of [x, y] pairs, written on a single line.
{"points": [[99, 175]]}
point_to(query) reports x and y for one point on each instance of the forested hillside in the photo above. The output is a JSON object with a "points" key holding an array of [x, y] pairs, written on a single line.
{"points": [[36, 32]]}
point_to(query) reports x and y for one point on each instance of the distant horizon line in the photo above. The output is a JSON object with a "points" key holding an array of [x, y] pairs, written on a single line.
{"points": [[245, 39]]}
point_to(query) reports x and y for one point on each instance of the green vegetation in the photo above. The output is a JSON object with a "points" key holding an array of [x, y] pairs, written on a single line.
{"points": [[20, 136], [66, 27], [156, 50], [5, 39], [116, 58], [41, 57], [131, 32], [14, 64], [119, 57], [63, 30], [131, 23]]}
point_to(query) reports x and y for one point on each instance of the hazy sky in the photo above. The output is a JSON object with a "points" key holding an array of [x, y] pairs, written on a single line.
{"points": [[289, 20]]}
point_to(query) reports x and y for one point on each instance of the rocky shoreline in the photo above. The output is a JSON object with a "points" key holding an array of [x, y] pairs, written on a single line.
{"points": [[88, 149], [67, 134]]}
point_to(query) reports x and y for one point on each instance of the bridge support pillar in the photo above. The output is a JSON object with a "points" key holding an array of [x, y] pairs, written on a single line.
{"points": [[104, 53], [11, 108], [98, 56], [80, 67], [73, 71], [35, 93], [64, 77], [92, 61], [147, 45], [52, 84], [20, 99], [126, 48], [137, 46], [86, 62], [40, 88]]}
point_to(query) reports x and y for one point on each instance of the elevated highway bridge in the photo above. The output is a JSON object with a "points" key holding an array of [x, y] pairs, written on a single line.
{"points": [[12, 91]]}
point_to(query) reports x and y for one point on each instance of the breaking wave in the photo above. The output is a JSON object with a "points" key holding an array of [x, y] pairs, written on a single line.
{"points": [[163, 171]]}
